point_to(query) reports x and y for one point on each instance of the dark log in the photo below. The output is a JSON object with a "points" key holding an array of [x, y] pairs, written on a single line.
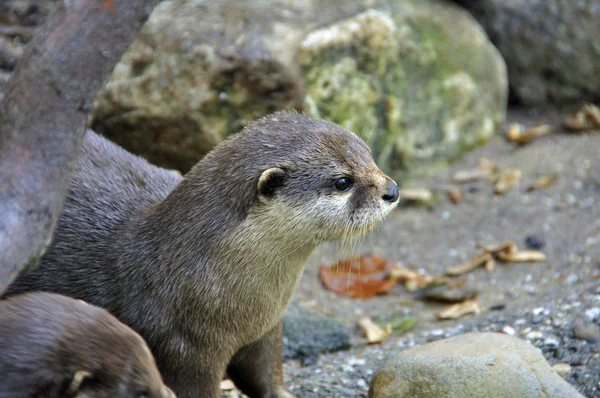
{"points": [[43, 116]]}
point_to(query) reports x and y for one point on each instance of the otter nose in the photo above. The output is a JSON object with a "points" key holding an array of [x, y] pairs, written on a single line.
{"points": [[392, 192]]}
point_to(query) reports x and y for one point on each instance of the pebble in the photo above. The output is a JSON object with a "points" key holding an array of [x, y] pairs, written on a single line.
{"points": [[437, 332], [508, 330], [537, 319], [562, 369], [571, 279], [586, 332], [552, 341], [592, 313], [534, 242], [535, 335]]}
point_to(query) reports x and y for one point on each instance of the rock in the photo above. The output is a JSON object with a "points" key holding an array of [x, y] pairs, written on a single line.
{"points": [[308, 333], [446, 294], [562, 369], [418, 79], [470, 365], [588, 332], [592, 313], [18, 19], [551, 47]]}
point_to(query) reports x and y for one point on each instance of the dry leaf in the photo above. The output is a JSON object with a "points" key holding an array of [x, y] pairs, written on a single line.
{"points": [[485, 169], [469, 265], [374, 333], [490, 265], [454, 194], [416, 194], [525, 256], [403, 274], [413, 280], [593, 114], [359, 277], [507, 180], [487, 165], [585, 119], [463, 176], [516, 133], [458, 310], [543, 182], [577, 122], [508, 247], [424, 281]]}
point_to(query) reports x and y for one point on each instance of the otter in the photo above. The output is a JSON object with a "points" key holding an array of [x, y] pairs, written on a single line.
{"points": [[54, 346], [204, 266]]}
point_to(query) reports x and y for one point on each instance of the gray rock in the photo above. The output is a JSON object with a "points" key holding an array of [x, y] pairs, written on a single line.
{"points": [[551, 47], [18, 19], [588, 332], [418, 79], [470, 365], [308, 333]]}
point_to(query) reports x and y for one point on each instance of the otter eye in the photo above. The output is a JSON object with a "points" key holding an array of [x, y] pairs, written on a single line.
{"points": [[343, 184], [143, 394]]}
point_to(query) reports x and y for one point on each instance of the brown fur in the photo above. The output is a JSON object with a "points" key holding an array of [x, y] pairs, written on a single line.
{"points": [[203, 267], [54, 346]]}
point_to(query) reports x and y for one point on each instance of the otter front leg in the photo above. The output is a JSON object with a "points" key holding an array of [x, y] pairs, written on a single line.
{"points": [[195, 375], [256, 369]]}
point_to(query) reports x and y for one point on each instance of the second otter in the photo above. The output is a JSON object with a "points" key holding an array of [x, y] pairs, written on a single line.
{"points": [[53, 346], [203, 267]]}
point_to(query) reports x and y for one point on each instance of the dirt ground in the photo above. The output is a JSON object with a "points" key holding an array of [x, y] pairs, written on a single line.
{"points": [[539, 301]]}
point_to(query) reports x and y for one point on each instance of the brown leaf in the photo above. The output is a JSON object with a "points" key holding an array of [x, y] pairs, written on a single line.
{"points": [[416, 194], [524, 256], [374, 333], [470, 175], [469, 265], [359, 277], [585, 119], [413, 280], [516, 133], [490, 265], [593, 114], [507, 180], [507, 247], [454, 194], [458, 310], [543, 182]]}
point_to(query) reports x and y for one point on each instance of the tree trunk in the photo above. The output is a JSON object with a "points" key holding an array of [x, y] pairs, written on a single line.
{"points": [[43, 117]]}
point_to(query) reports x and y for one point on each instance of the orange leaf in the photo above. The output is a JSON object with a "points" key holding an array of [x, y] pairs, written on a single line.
{"points": [[359, 277]]}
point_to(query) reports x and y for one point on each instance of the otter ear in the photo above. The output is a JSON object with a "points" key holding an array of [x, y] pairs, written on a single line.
{"points": [[77, 381], [269, 181]]}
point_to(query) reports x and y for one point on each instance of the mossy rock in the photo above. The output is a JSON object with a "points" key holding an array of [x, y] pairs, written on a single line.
{"points": [[419, 80]]}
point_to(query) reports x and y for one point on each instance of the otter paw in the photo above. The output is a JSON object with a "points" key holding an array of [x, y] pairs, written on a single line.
{"points": [[283, 393]]}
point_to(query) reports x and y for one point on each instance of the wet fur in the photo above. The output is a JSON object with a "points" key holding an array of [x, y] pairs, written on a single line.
{"points": [[203, 267]]}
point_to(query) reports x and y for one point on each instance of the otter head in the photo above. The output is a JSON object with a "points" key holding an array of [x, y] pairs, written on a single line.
{"points": [[108, 359], [300, 179]]}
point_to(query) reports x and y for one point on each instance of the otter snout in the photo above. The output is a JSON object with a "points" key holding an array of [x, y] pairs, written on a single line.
{"points": [[391, 195]]}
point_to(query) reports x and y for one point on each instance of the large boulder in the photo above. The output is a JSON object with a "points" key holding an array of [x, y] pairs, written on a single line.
{"points": [[551, 47], [418, 79], [471, 365], [18, 20]]}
